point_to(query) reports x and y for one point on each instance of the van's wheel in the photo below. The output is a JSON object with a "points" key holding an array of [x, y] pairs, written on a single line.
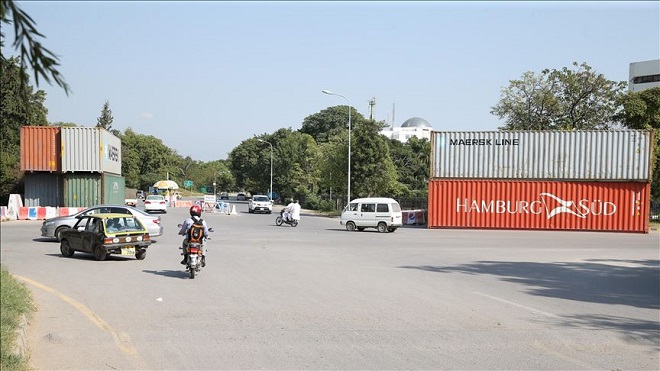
{"points": [[350, 226], [100, 253], [140, 255], [382, 227], [65, 249]]}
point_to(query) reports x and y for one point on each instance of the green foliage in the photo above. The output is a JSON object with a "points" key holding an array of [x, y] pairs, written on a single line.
{"points": [[42, 61], [566, 99], [315, 202], [372, 171], [641, 110], [15, 301], [329, 122], [19, 106], [146, 160], [412, 162], [106, 119]]}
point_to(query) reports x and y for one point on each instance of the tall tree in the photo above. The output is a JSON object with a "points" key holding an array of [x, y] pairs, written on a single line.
{"points": [[19, 106], [641, 110], [412, 162], [372, 170], [106, 119], [329, 122], [26, 39], [565, 99]]}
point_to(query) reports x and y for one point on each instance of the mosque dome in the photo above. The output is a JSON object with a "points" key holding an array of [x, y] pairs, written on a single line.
{"points": [[416, 122]]}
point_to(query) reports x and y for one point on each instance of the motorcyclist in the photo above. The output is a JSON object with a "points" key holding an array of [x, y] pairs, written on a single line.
{"points": [[195, 215], [286, 215], [295, 211]]}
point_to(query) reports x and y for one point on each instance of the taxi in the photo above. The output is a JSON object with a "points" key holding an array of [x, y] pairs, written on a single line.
{"points": [[105, 234]]}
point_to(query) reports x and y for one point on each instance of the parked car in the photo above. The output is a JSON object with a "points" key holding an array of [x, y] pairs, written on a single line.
{"points": [[240, 197], [260, 203], [155, 203], [53, 227], [224, 195], [105, 234]]}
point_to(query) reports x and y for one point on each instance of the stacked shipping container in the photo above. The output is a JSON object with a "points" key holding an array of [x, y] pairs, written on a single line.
{"points": [[71, 167], [558, 180]]}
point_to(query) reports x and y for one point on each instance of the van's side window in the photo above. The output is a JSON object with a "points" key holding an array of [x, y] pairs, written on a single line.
{"points": [[382, 208], [368, 208], [353, 207]]}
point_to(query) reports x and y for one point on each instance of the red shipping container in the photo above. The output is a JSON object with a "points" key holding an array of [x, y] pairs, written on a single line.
{"points": [[41, 148], [500, 204]]}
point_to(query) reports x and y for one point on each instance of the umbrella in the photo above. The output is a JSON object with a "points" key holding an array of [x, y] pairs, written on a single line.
{"points": [[166, 184]]}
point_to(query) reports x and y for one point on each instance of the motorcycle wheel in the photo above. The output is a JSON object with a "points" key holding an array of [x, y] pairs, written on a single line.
{"points": [[294, 223], [192, 273], [278, 221]]}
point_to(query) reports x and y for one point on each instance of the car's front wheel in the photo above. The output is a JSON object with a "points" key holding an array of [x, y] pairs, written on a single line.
{"points": [[66, 249], [100, 253]]}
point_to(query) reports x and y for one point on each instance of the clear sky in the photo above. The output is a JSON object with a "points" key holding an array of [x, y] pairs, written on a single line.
{"points": [[205, 76]]}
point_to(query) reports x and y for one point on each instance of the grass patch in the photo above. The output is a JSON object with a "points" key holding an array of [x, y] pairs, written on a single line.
{"points": [[15, 301]]}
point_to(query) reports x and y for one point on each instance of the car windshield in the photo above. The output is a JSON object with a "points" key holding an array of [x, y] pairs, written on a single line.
{"points": [[261, 198], [122, 224]]}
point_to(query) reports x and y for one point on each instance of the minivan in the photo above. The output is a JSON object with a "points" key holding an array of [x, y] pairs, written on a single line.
{"points": [[381, 213]]}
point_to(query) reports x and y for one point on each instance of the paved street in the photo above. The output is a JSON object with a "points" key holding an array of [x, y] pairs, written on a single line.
{"points": [[319, 297]]}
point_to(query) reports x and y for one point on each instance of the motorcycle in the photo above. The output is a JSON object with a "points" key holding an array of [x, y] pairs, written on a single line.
{"points": [[195, 260], [280, 220]]}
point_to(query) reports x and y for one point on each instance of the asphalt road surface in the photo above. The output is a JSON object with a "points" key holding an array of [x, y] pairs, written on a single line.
{"points": [[319, 297]]}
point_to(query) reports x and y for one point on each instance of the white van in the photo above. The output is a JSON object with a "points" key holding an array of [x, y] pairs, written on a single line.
{"points": [[381, 213]]}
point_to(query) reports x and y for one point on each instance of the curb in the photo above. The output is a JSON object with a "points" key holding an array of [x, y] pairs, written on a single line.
{"points": [[20, 347]]}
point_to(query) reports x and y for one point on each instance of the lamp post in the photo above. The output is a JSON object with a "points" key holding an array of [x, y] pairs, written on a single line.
{"points": [[349, 141], [270, 195]]}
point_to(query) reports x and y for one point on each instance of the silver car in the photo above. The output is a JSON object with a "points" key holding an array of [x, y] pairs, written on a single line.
{"points": [[54, 226]]}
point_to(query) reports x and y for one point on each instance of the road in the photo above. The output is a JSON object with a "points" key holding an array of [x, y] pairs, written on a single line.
{"points": [[319, 297]]}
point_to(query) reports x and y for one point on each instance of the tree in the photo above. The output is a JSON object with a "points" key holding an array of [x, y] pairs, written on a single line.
{"points": [[106, 119], [372, 171], [19, 106], [42, 61], [146, 160], [331, 121], [412, 162], [565, 99], [641, 110]]}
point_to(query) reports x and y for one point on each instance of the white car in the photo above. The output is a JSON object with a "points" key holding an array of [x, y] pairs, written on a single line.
{"points": [[260, 203], [155, 203]]}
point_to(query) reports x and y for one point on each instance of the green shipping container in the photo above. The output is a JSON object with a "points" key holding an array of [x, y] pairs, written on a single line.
{"points": [[82, 189], [114, 189]]}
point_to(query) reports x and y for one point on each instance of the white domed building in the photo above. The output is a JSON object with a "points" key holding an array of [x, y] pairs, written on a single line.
{"points": [[413, 127]]}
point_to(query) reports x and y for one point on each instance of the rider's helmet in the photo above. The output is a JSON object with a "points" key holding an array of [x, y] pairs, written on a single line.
{"points": [[195, 210]]}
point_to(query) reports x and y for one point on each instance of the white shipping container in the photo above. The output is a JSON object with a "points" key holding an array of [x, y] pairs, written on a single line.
{"points": [[618, 155], [90, 149]]}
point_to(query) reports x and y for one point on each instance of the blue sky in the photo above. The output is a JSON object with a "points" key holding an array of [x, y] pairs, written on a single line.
{"points": [[205, 76]]}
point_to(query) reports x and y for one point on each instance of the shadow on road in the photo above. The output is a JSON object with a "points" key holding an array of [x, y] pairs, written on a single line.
{"points": [[169, 273], [618, 282], [623, 282]]}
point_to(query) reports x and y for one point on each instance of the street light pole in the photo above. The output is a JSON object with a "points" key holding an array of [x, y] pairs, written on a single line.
{"points": [[271, 167], [349, 141]]}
